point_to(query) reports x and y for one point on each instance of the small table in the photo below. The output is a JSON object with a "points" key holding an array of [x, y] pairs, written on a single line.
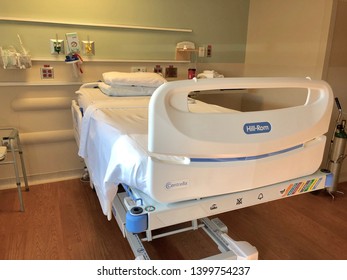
{"points": [[12, 144]]}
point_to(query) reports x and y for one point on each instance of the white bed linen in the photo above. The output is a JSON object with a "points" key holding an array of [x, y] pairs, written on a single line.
{"points": [[144, 79], [90, 95], [101, 146], [114, 144], [126, 90]]}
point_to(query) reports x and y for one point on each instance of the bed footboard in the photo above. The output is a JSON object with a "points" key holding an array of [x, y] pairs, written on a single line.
{"points": [[195, 155]]}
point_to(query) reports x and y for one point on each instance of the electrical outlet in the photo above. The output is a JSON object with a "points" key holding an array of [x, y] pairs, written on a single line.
{"points": [[171, 72], [202, 51], [57, 46], [138, 69], [47, 72], [209, 51]]}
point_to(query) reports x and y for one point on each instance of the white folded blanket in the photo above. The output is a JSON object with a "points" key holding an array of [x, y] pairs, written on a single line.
{"points": [[142, 79], [3, 150]]}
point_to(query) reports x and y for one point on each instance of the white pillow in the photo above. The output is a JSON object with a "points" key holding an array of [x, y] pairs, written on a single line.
{"points": [[143, 79], [126, 90]]}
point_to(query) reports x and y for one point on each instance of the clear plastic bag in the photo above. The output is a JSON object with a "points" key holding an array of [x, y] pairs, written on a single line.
{"points": [[13, 59]]}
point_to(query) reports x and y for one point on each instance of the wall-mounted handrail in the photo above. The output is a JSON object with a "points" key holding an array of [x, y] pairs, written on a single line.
{"points": [[39, 83]]}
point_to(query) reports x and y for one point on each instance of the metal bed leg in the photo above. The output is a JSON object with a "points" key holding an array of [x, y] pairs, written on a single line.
{"points": [[20, 151], [19, 188]]}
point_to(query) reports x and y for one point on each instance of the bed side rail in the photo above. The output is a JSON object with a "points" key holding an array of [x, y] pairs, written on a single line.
{"points": [[90, 85], [76, 120]]}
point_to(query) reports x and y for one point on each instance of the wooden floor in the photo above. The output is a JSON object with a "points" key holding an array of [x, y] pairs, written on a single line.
{"points": [[63, 220]]}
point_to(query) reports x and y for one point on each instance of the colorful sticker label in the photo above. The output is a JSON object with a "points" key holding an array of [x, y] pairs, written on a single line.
{"points": [[301, 187]]}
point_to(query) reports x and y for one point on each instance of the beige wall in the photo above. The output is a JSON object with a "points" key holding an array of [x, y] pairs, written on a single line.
{"points": [[40, 109], [222, 23], [287, 38], [337, 67], [45, 122], [300, 38]]}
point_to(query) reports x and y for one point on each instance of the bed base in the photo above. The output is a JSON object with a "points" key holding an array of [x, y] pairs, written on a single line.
{"points": [[137, 213], [216, 230]]}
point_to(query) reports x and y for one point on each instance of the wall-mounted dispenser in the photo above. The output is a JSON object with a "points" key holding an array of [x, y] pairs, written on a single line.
{"points": [[57, 45], [88, 47], [184, 50], [73, 44]]}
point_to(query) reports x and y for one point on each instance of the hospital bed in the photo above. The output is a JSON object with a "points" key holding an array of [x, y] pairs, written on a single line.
{"points": [[182, 160]]}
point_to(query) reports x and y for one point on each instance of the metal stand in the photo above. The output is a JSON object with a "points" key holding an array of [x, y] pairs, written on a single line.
{"points": [[336, 153], [336, 192], [12, 142]]}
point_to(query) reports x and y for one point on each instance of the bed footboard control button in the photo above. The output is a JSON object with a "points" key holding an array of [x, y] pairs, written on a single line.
{"points": [[135, 221]]}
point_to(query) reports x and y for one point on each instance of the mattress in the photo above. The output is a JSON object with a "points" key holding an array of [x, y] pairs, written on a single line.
{"points": [[113, 141], [93, 95]]}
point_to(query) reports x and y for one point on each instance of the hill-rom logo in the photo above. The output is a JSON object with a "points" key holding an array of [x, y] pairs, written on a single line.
{"points": [[257, 127]]}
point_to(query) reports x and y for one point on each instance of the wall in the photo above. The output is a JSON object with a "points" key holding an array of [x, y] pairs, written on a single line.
{"points": [[44, 121], [220, 23], [296, 38], [286, 38], [337, 68]]}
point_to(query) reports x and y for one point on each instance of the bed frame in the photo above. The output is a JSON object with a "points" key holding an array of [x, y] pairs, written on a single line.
{"points": [[202, 164], [138, 216]]}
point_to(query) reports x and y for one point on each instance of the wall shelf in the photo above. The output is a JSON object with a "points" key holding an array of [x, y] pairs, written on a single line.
{"points": [[83, 24], [87, 60], [184, 54]]}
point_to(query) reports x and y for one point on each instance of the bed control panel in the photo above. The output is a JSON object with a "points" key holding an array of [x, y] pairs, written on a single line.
{"points": [[153, 215]]}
